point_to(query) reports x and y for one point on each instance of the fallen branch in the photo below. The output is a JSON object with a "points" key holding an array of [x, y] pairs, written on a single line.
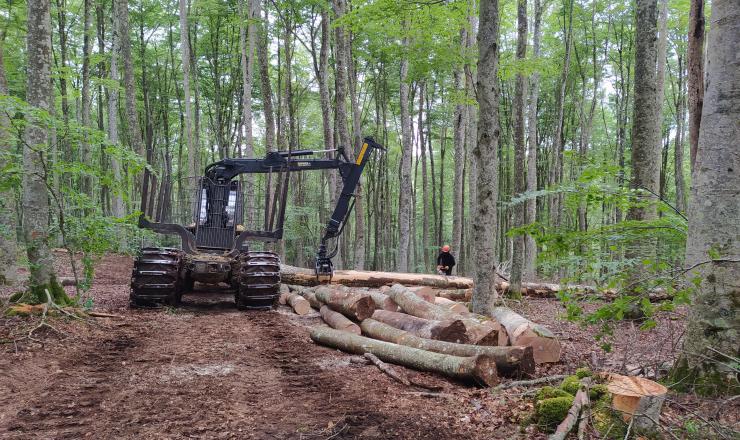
{"points": [[387, 369], [527, 383], [571, 418], [103, 315]]}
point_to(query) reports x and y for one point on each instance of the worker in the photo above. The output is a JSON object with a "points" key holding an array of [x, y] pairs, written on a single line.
{"points": [[445, 261]]}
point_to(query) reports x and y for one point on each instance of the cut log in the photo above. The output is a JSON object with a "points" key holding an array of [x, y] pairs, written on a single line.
{"points": [[338, 321], [451, 330], [480, 369], [451, 305], [424, 292], [352, 304], [309, 295], [521, 331], [360, 278], [549, 290], [638, 397], [383, 301], [298, 303], [510, 361], [478, 333], [455, 294]]}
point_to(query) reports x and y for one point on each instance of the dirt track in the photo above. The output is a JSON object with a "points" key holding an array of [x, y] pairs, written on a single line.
{"points": [[209, 371]]}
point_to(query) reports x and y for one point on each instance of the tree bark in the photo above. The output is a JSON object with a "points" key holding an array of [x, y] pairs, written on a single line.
{"points": [[695, 79], [85, 153], [246, 43], [485, 154], [39, 94], [357, 278], [352, 304], [191, 147], [678, 146], [459, 123], [530, 253], [510, 361], [645, 130], [451, 305], [265, 87], [117, 206], [714, 216], [480, 368], [383, 301], [129, 86], [404, 199], [478, 333], [520, 149], [523, 332], [8, 245], [449, 330], [299, 304], [338, 321]]}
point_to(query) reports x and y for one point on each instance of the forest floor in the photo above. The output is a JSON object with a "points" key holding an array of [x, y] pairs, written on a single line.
{"points": [[206, 370]]}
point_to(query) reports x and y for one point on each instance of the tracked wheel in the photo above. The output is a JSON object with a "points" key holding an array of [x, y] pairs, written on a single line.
{"points": [[259, 281], [155, 280]]}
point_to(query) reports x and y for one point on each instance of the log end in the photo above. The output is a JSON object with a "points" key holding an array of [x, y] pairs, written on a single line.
{"points": [[364, 308], [485, 371], [451, 331]]}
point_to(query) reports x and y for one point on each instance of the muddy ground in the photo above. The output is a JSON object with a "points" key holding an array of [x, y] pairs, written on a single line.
{"points": [[208, 371]]}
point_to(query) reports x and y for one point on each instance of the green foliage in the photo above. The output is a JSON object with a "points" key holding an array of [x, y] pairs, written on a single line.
{"points": [[583, 373], [598, 391]]}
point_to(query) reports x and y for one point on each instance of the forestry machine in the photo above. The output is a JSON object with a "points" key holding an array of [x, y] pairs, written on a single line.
{"points": [[215, 245]]}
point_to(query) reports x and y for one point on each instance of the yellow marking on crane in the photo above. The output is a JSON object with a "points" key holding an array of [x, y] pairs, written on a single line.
{"points": [[362, 154]]}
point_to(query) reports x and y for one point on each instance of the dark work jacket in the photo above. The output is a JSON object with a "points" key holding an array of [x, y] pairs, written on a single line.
{"points": [[446, 259]]}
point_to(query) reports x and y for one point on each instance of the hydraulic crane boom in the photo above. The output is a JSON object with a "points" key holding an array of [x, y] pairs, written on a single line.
{"points": [[221, 174]]}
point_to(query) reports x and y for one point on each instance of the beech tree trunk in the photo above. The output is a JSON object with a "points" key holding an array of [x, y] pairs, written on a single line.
{"points": [[459, 123], [530, 254], [713, 246], [117, 206], [645, 130], [480, 368], [520, 148], [510, 361], [448, 330], [185, 57], [695, 78], [129, 87], [8, 246], [265, 87], [246, 43], [485, 156], [404, 199], [39, 94]]}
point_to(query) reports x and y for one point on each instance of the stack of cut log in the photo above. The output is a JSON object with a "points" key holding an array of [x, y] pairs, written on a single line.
{"points": [[422, 326]]}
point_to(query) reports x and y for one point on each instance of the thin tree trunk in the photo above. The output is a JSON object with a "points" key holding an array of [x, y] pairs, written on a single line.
{"points": [[486, 156], [695, 79], [459, 123], [265, 88], [556, 172], [424, 182], [132, 117], [645, 127], [530, 254], [246, 43], [679, 138], [85, 153], [8, 246], [191, 147], [404, 203], [714, 218], [520, 148], [117, 207]]}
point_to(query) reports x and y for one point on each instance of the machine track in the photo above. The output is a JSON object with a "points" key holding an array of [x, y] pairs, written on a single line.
{"points": [[155, 280], [259, 280]]}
